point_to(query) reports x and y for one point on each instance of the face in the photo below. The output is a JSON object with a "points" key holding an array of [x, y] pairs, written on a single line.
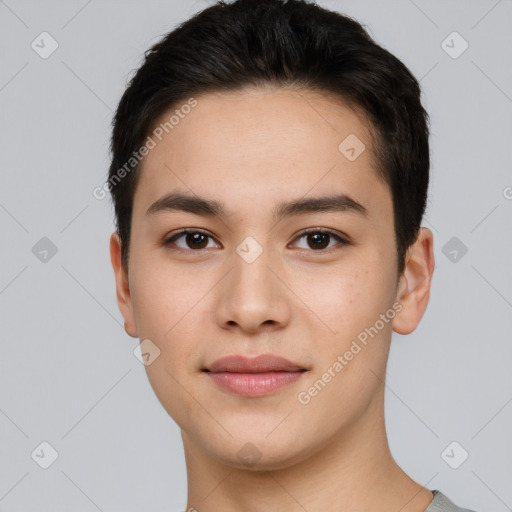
{"points": [[289, 254]]}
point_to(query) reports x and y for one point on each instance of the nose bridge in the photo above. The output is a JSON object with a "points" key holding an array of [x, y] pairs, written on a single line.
{"points": [[251, 278], [251, 274]]}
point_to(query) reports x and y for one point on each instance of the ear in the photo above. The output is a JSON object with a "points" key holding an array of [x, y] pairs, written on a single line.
{"points": [[414, 285], [124, 299]]}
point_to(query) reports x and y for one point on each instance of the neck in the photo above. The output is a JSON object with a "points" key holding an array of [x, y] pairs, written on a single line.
{"points": [[355, 471]]}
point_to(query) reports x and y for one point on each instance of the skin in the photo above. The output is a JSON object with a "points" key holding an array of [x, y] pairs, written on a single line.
{"points": [[252, 150]]}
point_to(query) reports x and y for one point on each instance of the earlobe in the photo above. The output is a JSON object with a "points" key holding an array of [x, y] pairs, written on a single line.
{"points": [[123, 293], [414, 286]]}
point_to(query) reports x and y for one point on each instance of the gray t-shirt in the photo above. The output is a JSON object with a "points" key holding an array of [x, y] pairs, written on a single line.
{"points": [[441, 503]]}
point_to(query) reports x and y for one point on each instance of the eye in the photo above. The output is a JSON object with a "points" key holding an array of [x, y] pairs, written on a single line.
{"points": [[319, 239], [193, 239]]}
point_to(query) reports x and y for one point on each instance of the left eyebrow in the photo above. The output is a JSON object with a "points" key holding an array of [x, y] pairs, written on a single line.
{"points": [[335, 203], [211, 208]]}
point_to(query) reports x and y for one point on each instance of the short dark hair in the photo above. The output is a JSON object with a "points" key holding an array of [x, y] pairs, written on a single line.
{"points": [[230, 46]]}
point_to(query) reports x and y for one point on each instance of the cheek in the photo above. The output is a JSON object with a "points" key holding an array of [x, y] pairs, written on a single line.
{"points": [[173, 303], [161, 295], [169, 311], [343, 300]]}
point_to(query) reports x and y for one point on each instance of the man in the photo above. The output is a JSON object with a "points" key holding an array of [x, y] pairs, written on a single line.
{"points": [[270, 167]]}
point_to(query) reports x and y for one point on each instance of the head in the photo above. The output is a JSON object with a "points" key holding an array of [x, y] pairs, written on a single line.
{"points": [[246, 125]]}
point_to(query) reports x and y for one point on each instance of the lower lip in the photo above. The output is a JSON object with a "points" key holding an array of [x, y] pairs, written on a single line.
{"points": [[254, 384]]}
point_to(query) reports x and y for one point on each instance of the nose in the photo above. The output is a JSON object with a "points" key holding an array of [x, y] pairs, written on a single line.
{"points": [[251, 298]]}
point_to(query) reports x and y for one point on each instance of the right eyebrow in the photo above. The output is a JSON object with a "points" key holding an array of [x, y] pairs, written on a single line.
{"points": [[187, 203]]}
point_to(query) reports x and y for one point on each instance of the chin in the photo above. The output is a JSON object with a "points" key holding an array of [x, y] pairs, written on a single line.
{"points": [[261, 453]]}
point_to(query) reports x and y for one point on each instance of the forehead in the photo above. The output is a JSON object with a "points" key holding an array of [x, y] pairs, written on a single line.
{"points": [[257, 143]]}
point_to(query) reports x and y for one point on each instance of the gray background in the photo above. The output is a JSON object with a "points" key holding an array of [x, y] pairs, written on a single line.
{"points": [[68, 375]]}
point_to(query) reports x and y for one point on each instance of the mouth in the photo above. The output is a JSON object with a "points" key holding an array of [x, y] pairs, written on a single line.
{"points": [[258, 376]]}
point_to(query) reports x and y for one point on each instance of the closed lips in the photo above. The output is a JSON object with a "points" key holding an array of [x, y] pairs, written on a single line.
{"points": [[253, 377], [261, 364]]}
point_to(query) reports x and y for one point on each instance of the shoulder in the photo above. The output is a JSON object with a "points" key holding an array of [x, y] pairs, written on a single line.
{"points": [[441, 503]]}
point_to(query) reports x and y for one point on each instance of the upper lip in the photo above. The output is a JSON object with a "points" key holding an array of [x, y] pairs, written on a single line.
{"points": [[260, 364]]}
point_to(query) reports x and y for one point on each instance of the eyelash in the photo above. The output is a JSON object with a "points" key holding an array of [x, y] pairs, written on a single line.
{"points": [[342, 241]]}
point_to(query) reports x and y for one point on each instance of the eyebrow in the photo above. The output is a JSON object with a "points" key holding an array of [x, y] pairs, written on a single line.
{"points": [[211, 208]]}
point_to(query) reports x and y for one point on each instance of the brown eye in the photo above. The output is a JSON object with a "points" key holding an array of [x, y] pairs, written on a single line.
{"points": [[320, 239], [195, 240]]}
